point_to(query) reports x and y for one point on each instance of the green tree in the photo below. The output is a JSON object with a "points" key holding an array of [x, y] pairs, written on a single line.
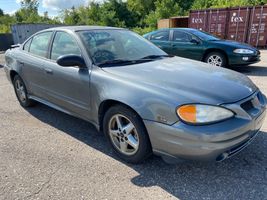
{"points": [[5, 22], [28, 13], [164, 9], [1, 12], [71, 17], [141, 9]]}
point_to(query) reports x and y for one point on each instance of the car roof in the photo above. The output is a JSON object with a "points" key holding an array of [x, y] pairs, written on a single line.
{"points": [[183, 29], [83, 28]]}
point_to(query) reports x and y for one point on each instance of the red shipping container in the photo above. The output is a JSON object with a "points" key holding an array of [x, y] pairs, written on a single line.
{"points": [[198, 19], [238, 24], [257, 34], [217, 22]]}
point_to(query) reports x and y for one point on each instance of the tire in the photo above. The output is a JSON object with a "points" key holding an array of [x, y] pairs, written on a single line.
{"points": [[21, 92], [216, 59], [130, 140]]}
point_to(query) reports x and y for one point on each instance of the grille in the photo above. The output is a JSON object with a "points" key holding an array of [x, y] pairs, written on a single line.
{"points": [[254, 104], [247, 106]]}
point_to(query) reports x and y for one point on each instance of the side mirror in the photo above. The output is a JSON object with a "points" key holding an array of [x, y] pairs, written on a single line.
{"points": [[194, 41], [71, 60]]}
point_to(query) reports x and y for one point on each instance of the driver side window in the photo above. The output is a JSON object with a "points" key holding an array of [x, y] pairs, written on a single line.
{"points": [[64, 44]]}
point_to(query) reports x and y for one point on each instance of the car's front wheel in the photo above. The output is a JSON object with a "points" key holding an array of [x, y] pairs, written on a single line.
{"points": [[216, 59], [21, 92], [127, 134]]}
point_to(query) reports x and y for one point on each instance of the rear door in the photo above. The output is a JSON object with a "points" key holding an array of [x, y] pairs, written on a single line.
{"points": [[186, 45], [162, 40], [34, 53], [68, 87]]}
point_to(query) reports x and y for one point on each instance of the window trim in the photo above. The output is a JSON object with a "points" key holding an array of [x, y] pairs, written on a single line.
{"points": [[29, 40]]}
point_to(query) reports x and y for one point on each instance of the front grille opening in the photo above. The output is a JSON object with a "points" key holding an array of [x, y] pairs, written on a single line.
{"points": [[247, 106]]}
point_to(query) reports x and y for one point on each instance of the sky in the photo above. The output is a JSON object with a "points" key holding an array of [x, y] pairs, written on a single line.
{"points": [[52, 6]]}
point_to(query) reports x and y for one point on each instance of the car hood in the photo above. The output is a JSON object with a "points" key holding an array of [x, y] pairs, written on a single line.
{"points": [[234, 44], [187, 81]]}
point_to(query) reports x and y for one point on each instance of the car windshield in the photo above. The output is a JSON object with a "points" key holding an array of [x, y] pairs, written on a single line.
{"points": [[119, 47], [205, 36]]}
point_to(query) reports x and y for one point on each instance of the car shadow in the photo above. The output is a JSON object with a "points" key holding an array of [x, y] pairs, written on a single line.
{"points": [[252, 70], [241, 177], [1, 66]]}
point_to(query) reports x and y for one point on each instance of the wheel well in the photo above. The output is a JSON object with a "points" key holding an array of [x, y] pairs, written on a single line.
{"points": [[13, 74], [105, 105], [215, 50]]}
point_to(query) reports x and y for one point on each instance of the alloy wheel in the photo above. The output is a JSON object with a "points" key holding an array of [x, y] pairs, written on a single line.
{"points": [[20, 90], [215, 60], [123, 134]]}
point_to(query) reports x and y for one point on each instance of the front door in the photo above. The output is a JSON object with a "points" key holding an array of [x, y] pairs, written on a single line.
{"points": [[162, 40], [186, 45], [68, 87]]}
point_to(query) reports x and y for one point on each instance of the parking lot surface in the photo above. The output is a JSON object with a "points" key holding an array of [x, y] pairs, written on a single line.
{"points": [[46, 154]]}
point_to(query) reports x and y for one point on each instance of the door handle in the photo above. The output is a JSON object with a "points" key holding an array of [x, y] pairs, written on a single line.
{"points": [[21, 63], [48, 71]]}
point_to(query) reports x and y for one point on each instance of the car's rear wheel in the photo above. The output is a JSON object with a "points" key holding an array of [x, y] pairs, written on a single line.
{"points": [[216, 59], [127, 134], [21, 92]]}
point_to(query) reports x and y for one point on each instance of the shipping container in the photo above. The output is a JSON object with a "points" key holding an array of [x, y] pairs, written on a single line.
{"points": [[21, 32], [257, 33], [198, 19], [181, 21], [242, 24], [217, 21], [163, 23], [238, 24]]}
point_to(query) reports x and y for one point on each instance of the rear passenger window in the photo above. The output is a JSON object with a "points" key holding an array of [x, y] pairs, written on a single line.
{"points": [[161, 36], [64, 44], [26, 46], [39, 44]]}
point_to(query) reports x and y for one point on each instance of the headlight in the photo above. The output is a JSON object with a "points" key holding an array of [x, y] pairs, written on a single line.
{"points": [[201, 114], [243, 51]]}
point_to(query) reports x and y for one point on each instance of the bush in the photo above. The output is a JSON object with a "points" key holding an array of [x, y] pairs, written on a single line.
{"points": [[142, 31]]}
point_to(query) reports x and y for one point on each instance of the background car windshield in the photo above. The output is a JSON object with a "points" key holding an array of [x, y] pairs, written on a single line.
{"points": [[205, 36], [108, 45]]}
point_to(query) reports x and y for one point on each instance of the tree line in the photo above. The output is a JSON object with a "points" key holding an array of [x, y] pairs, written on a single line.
{"points": [[138, 15]]}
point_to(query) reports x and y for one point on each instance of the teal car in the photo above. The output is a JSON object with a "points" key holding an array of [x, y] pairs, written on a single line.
{"points": [[198, 45]]}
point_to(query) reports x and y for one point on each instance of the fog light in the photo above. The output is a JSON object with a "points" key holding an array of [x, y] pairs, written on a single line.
{"points": [[245, 58]]}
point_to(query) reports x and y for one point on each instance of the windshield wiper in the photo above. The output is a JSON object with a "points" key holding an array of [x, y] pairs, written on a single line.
{"points": [[115, 62], [131, 62], [155, 56]]}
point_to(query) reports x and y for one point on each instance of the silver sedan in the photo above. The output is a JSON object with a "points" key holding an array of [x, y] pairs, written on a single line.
{"points": [[144, 100]]}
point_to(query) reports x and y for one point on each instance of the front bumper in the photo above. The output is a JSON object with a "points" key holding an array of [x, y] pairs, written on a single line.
{"points": [[244, 59], [213, 142], [7, 71]]}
